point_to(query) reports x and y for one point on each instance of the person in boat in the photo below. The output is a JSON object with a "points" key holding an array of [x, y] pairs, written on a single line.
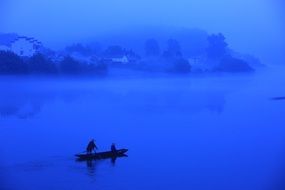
{"points": [[91, 147], [113, 147]]}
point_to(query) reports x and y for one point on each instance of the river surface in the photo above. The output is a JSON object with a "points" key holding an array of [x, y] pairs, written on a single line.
{"points": [[197, 132]]}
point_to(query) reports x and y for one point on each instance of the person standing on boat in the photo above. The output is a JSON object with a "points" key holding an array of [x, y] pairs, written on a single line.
{"points": [[91, 147], [113, 147]]}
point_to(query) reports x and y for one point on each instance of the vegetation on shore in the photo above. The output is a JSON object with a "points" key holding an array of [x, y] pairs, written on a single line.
{"points": [[205, 53]]}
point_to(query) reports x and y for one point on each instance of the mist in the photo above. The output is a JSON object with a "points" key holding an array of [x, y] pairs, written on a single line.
{"points": [[146, 94], [255, 27], [182, 132]]}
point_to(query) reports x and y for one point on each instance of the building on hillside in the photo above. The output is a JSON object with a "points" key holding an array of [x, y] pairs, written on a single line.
{"points": [[21, 45], [4, 48], [125, 59], [199, 63], [122, 59]]}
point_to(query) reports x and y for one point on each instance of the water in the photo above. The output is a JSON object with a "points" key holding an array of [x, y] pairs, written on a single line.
{"points": [[200, 132]]}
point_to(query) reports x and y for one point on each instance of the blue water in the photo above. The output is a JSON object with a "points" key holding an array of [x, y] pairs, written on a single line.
{"points": [[216, 132]]}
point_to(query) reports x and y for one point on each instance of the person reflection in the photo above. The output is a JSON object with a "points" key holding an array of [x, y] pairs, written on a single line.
{"points": [[113, 160], [90, 167]]}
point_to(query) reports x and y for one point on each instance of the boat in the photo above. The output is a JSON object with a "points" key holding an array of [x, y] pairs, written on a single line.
{"points": [[278, 98], [102, 155]]}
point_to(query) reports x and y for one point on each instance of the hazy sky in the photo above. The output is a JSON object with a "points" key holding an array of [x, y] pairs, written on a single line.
{"points": [[253, 26]]}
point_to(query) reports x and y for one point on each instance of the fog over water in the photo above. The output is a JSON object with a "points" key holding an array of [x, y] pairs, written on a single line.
{"points": [[196, 109], [215, 132], [255, 27]]}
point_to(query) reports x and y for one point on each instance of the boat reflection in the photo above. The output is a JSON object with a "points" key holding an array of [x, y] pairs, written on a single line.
{"points": [[114, 159], [92, 163]]}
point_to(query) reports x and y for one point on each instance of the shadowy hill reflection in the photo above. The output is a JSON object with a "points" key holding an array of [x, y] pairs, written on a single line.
{"points": [[27, 100], [23, 106], [27, 104]]}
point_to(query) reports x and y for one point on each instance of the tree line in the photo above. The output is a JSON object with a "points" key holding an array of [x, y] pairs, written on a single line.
{"points": [[10, 63], [155, 59]]}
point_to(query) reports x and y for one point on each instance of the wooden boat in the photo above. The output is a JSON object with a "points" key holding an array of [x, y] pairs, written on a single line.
{"points": [[102, 155], [278, 98]]}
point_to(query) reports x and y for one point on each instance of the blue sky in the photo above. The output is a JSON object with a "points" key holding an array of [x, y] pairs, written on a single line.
{"points": [[252, 26]]}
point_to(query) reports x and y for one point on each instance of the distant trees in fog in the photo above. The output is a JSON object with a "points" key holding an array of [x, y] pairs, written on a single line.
{"points": [[82, 49], [171, 60], [233, 65], [181, 65], [12, 63], [173, 49], [188, 51], [38, 64], [219, 52], [152, 48], [216, 57], [114, 51], [173, 55], [217, 46], [70, 66]]}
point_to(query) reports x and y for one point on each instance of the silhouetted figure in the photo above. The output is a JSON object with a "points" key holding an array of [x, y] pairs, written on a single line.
{"points": [[91, 146], [113, 147]]}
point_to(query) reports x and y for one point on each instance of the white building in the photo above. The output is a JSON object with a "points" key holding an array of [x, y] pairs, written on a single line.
{"points": [[4, 48], [22, 46], [200, 63], [123, 60]]}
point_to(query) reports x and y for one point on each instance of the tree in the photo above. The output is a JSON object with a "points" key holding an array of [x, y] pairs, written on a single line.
{"points": [[177, 65], [181, 65], [70, 66], [114, 51], [39, 64], [173, 49], [217, 46], [79, 48], [11, 63], [152, 48], [98, 69], [233, 65]]}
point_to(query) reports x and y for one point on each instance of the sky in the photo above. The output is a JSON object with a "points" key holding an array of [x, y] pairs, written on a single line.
{"points": [[251, 26]]}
